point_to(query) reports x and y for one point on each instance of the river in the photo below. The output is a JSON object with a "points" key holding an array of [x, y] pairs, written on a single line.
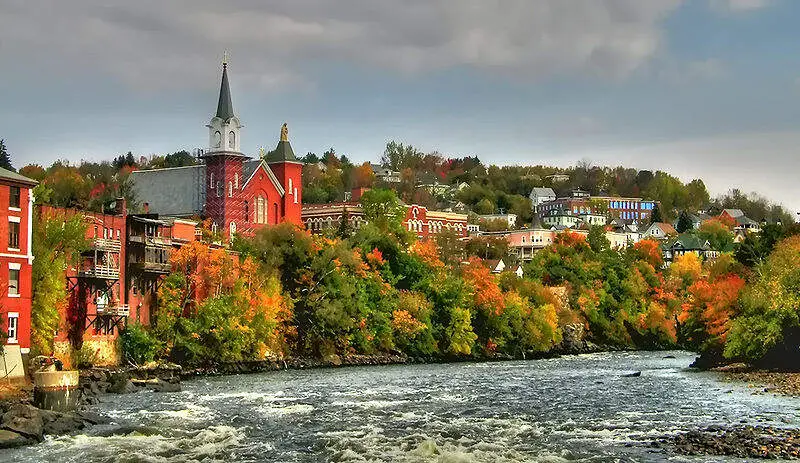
{"points": [[564, 409]]}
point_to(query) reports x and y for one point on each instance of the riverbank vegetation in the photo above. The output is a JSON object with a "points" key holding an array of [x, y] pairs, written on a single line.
{"points": [[286, 293]]}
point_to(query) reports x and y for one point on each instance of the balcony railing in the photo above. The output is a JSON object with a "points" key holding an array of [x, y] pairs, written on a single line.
{"points": [[121, 310], [100, 271], [150, 240], [106, 244]]}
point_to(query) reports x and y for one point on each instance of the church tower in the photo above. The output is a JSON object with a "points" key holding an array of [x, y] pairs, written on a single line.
{"points": [[224, 162], [289, 171]]}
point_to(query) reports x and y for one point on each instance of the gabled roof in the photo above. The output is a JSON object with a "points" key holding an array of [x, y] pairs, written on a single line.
{"points": [[6, 174], [666, 228], [541, 191], [249, 169], [733, 212], [225, 105], [688, 242]]}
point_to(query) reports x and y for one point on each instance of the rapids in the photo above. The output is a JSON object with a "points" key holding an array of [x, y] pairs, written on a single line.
{"points": [[575, 408]]}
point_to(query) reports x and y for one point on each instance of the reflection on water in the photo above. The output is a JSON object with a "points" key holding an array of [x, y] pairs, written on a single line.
{"points": [[568, 409]]}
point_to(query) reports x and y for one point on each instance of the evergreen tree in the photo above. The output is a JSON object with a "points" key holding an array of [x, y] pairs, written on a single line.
{"points": [[656, 216], [684, 223], [5, 158]]}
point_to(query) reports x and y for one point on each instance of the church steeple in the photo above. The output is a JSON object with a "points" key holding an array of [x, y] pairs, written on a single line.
{"points": [[225, 105], [224, 126]]}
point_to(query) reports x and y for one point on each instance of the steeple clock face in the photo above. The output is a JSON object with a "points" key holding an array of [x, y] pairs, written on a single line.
{"points": [[217, 139]]}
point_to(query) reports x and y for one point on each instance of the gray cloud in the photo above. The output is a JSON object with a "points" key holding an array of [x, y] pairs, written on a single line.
{"points": [[152, 44]]}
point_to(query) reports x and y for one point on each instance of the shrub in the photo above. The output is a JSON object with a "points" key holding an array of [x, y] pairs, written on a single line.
{"points": [[138, 345]]}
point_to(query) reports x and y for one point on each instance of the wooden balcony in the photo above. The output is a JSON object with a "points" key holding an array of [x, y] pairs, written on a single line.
{"points": [[105, 244], [152, 267], [100, 272], [117, 310], [150, 240]]}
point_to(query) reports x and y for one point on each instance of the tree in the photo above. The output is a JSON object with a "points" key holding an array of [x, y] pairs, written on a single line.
{"points": [[5, 158], [684, 222], [397, 156], [57, 243], [363, 176], [382, 208], [656, 217], [597, 239]]}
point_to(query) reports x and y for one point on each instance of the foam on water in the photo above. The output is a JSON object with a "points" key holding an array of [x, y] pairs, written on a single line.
{"points": [[562, 409]]}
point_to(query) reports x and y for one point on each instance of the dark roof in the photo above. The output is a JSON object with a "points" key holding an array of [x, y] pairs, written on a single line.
{"points": [[282, 153], [176, 192], [225, 105], [6, 174], [688, 242]]}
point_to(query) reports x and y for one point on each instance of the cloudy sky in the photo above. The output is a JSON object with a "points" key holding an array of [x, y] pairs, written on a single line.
{"points": [[702, 88]]}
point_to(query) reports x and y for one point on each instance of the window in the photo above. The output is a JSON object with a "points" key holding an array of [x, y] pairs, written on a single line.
{"points": [[261, 210], [14, 198], [230, 189], [275, 207], [290, 186], [13, 327], [219, 189], [13, 235], [211, 181], [246, 211], [236, 180], [295, 194], [232, 140], [13, 281]]}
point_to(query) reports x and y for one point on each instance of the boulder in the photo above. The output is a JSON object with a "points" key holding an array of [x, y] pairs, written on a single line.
{"points": [[10, 439], [163, 386], [635, 374], [25, 420], [56, 423]]}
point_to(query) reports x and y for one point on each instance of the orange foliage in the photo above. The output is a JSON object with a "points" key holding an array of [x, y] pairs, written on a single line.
{"points": [[211, 271], [649, 251], [488, 294], [712, 303], [404, 322], [375, 258], [363, 176], [722, 220], [656, 319], [428, 252], [572, 239]]}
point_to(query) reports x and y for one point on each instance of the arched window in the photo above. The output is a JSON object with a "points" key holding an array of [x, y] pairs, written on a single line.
{"points": [[290, 186], [232, 140], [275, 207], [236, 180], [230, 189], [295, 194], [246, 211], [211, 181], [260, 210]]}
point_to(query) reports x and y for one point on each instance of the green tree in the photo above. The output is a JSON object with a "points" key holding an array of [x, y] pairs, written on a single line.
{"points": [[5, 158], [656, 217], [57, 244], [383, 209], [684, 222]]}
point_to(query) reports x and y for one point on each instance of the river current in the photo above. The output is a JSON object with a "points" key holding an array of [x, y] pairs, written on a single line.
{"points": [[574, 408]]}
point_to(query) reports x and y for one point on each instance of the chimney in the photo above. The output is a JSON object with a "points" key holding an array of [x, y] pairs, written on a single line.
{"points": [[146, 207], [120, 206], [357, 192]]}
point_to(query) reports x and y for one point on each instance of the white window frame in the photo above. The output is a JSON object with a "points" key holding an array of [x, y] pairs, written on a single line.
{"points": [[13, 339], [18, 268]]}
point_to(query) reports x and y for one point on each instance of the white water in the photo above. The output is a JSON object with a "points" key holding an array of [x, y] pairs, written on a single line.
{"points": [[569, 409]]}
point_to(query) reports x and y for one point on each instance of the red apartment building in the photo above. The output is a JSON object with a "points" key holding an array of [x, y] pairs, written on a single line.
{"points": [[16, 258]]}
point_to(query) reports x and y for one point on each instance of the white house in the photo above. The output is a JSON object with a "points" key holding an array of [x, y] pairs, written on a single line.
{"points": [[541, 195], [659, 231]]}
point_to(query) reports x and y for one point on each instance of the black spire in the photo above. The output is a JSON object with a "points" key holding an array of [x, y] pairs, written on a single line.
{"points": [[225, 106]]}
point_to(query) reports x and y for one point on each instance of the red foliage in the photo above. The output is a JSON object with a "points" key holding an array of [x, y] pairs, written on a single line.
{"points": [[487, 294], [650, 252]]}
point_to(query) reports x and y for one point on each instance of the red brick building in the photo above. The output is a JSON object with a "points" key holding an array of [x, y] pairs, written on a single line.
{"points": [[237, 193], [16, 258], [424, 223]]}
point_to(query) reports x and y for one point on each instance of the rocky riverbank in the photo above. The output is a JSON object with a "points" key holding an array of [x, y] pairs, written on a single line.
{"points": [[741, 442]]}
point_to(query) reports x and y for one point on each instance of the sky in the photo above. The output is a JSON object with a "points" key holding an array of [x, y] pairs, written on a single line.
{"points": [[699, 88]]}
